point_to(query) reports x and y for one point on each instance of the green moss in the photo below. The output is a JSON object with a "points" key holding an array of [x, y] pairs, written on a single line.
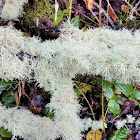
{"points": [[39, 9]]}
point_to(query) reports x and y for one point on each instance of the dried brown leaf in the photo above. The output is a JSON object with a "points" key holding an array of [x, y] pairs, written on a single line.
{"points": [[17, 98], [94, 135]]}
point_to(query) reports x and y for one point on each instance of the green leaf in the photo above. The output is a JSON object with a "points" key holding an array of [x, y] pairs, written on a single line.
{"points": [[78, 92], [4, 84], [78, 89], [1, 89], [93, 83], [48, 112], [124, 87], [65, 11], [52, 16], [59, 13], [5, 133], [8, 97], [128, 91], [120, 100], [135, 94], [75, 21], [119, 134], [86, 88], [59, 18], [114, 107], [0, 138], [85, 22], [109, 90]]}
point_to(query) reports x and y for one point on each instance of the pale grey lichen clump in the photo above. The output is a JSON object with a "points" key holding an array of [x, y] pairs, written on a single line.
{"points": [[94, 125], [12, 9], [111, 54], [22, 123]]}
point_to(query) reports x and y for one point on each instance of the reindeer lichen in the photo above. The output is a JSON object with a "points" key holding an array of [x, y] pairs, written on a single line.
{"points": [[112, 54], [13, 9]]}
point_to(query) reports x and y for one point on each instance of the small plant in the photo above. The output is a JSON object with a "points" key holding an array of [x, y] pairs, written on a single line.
{"points": [[60, 15], [7, 92], [48, 112], [5, 133], [120, 134], [8, 98], [39, 10]]}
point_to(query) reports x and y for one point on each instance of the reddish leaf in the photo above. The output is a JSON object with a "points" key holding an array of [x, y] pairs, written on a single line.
{"points": [[112, 13], [90, 4]]}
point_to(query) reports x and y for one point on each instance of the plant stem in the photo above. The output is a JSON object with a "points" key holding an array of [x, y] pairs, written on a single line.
{"points": [[103, 106], [137, 102], [87, 102], [132, 7], [100, 8], [70, 10], [107, 11], [89, 105]]}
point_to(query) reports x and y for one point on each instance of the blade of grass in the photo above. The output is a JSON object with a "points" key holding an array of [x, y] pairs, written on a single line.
{"points": [[100, 8], [132, 7], [87, 102], [103, 107], [107, 11], [70, 10]]}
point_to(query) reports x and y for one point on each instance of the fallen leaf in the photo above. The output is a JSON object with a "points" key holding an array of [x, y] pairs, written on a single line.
{"points": [[94, 135], [84, 28], [112, 13], [118, 92], [127, 107], [17, 98], [90, 4], [86, 88]]}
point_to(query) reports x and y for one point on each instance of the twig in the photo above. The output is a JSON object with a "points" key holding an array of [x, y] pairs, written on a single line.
{"points": [[2, 5], [132, 7], [103, 107], [30, 101], [110, 7], [92, 12], [70, 10], [104, 12], [131, 12], [107, 11], [83, 83], [116, 134], [136, 5], [106, 112], [97, 78], [100, 12], [56, 9]]}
